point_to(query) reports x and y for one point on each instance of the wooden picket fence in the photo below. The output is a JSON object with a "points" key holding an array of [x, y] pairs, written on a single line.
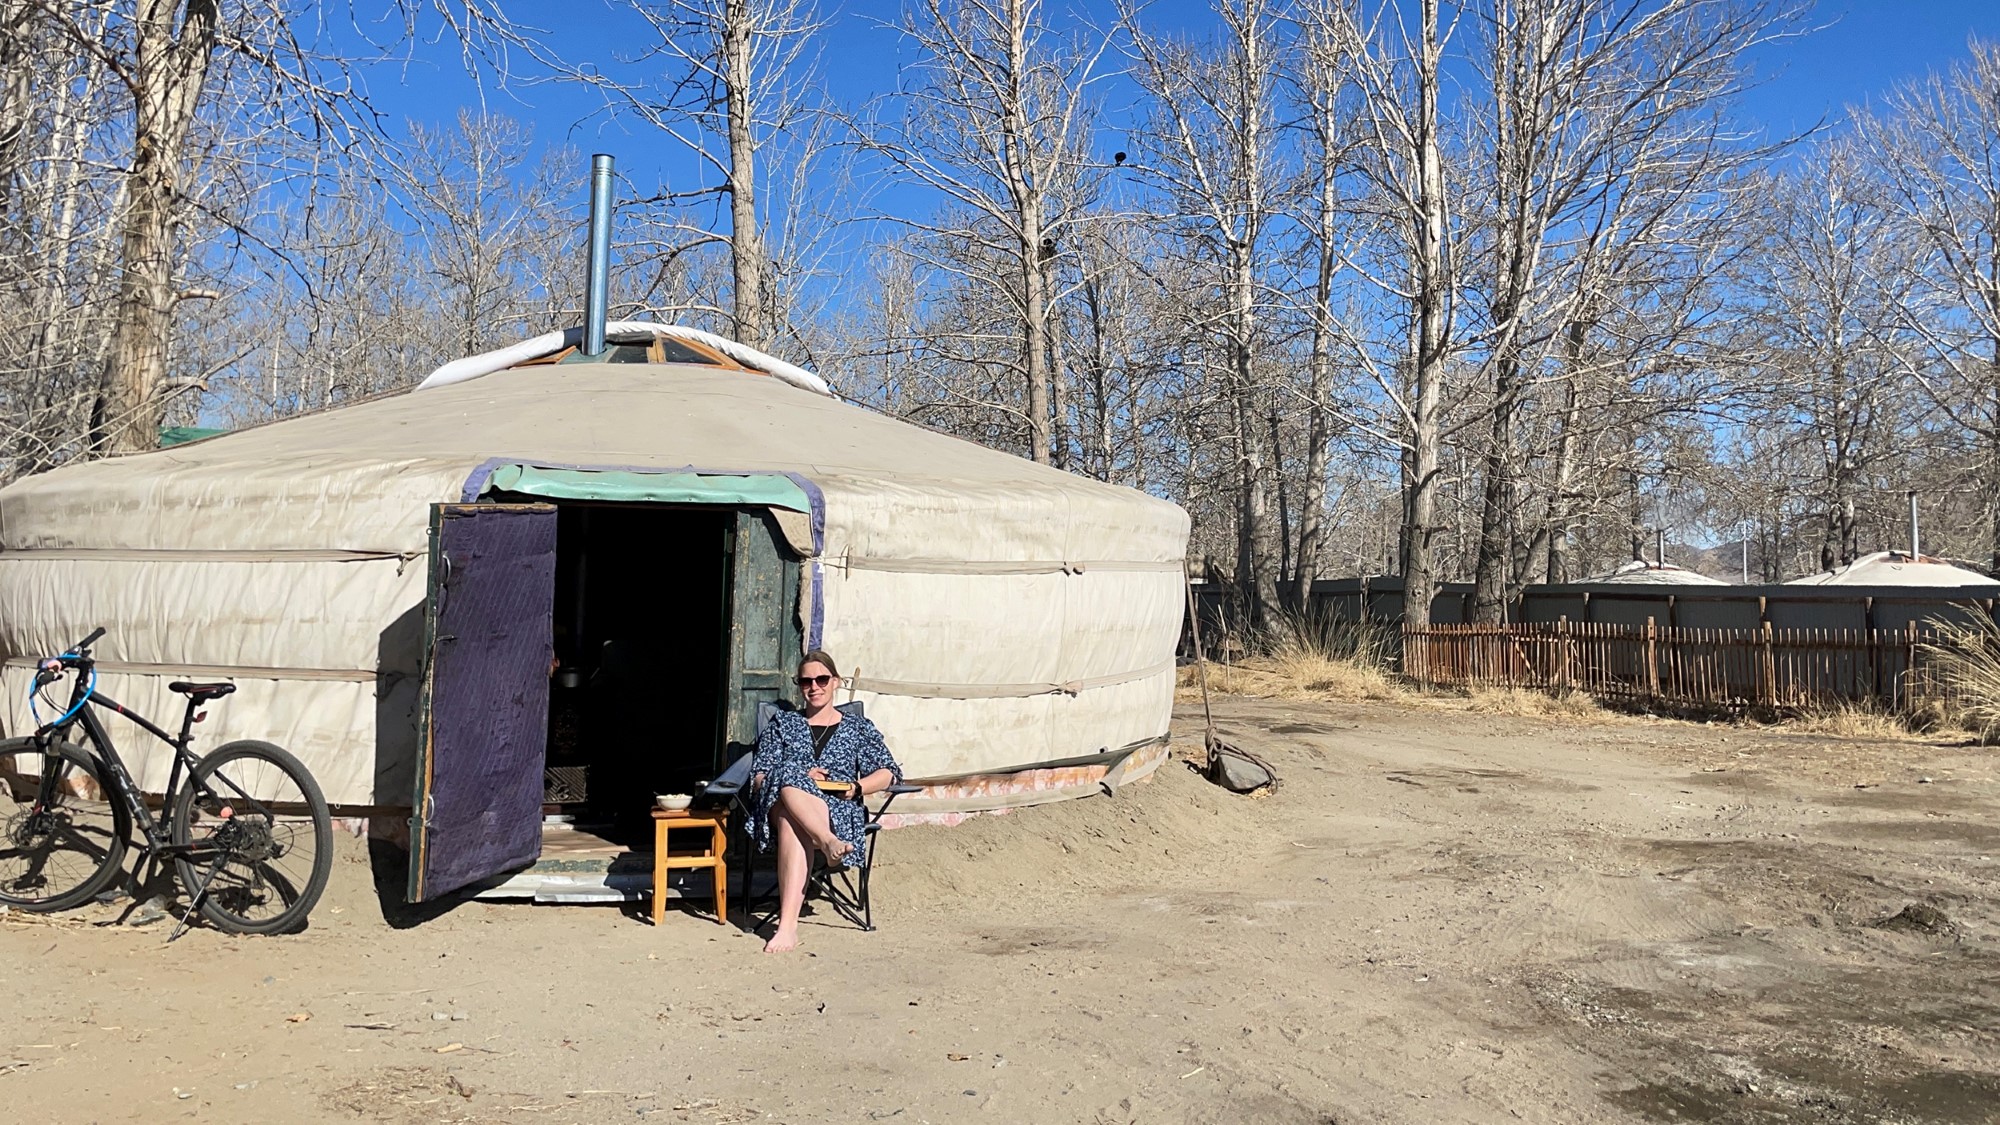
{"points": [[1729, 669]]}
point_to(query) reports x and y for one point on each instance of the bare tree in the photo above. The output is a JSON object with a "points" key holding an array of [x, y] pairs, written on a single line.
{"points": [[58, 245], [1831, 276], [167, 67], [486, 214], [1580, 99], [1397, 72], [1209, 146], [1322, 80], [164, 71], [1122, 313], [740, 93], [1938, 141], [997, 124]]}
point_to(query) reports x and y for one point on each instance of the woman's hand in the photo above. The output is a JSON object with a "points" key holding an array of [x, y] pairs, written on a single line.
{"points": [[817, 774], [861, 785]]}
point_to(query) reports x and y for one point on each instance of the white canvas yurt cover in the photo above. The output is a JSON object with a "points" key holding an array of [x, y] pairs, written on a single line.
{"points": [[1639, 572], [1895, 568], [352, 573]]}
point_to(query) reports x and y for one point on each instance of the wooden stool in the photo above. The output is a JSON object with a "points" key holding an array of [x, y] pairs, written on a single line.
{"points": [[668, 820]]}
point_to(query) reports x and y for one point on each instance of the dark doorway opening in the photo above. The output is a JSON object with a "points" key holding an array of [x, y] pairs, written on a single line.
{"points": [[641, 621], [581, 657]]}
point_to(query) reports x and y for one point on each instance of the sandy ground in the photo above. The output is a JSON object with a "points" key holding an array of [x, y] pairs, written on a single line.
{"points": [[1441, 916]]}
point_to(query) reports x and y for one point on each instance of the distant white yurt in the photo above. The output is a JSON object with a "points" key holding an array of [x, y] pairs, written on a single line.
{"points": [[1895, 568], [1639, 572], [547, 579]]}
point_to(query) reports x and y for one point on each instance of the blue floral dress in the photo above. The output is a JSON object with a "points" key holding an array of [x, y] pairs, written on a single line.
{"points": [[785, 754]]}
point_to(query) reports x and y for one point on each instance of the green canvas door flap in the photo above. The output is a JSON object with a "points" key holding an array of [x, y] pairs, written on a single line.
{"points": [[765, 490], [764, 642], [181, 435]]}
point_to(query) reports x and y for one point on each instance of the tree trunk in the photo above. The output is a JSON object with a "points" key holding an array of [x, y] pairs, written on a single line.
{"points": [[1320, 373], [1258, 552], [1635, 496], [1250, 502], [1561, 564], [171, 67], [1256, 557], [1026, 193], [1035, 336], [1427, 308], [1993, 456], [746, 245], [18, 32], [1489, 582], [1100, 382], [56, 344], [1519, 56], [1059, 442], [1281, 529]]}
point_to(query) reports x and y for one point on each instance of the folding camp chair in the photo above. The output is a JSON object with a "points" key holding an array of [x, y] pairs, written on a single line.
{"points": [[843, 888]]}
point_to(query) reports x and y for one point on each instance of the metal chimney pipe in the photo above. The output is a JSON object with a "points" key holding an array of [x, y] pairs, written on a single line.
{"points": [[1914, 552], [598, 295], [1659, 546]]}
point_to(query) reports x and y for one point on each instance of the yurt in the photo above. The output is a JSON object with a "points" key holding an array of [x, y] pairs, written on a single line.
{"points": [[547, 579], [1639, 572], [1895, 568]]}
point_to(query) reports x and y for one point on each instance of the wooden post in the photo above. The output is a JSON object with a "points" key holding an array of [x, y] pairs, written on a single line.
{"points": [[1652, 661], [1875, 657], [1563, 651], [1767, 672], [1910, 651]]}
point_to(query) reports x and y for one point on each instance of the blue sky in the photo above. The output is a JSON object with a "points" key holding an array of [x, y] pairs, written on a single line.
{"points": [[1864, 47], [1861, 48]]}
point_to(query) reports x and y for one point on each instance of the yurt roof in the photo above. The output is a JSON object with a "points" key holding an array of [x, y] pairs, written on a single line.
{"points": [[1895, 568], [1639, 572], [357, 477]]}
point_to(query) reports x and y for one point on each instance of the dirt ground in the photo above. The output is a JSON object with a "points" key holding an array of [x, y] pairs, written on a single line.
{"points": [[1441, 916]]}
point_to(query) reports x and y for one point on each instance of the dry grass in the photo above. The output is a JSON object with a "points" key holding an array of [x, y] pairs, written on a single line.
{"points": [[1850, 720], [1302, 676], [1572, 706], [1305, 656], [1293, 676], [1966, 661]]}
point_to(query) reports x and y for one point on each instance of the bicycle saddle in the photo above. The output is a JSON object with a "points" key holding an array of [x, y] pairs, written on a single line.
{"points": [[201, 692]]}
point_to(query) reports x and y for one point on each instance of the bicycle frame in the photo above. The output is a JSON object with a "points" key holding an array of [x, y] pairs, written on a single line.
{"points": [[82, 705]]}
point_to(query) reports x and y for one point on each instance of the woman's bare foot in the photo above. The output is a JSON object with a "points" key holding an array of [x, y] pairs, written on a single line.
{"points": [[784, 940], [835, 850]]}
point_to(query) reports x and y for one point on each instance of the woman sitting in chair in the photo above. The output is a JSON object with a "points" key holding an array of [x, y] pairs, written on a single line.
{"points": [[812, 769]]}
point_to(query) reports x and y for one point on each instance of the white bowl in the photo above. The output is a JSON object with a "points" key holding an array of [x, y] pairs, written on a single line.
{"points": [[672, 801]]}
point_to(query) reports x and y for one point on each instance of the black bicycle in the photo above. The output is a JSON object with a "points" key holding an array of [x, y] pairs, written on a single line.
{"points": [[245, 826]]}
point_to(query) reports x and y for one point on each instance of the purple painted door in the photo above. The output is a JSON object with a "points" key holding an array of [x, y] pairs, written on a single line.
{"points": [[485, 708]]}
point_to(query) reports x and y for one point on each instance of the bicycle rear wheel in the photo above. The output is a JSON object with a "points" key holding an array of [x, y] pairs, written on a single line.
{"points": [[62, 827], [256, 839]]}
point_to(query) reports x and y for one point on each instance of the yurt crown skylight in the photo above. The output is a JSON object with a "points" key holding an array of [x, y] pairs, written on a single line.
{"points": [[628, 341]]}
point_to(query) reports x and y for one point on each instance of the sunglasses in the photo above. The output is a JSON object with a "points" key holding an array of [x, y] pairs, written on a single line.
{"points": [[815, 681]]}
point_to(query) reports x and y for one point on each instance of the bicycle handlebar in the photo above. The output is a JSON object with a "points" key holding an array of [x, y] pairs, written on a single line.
{"points": [[51, 669]]}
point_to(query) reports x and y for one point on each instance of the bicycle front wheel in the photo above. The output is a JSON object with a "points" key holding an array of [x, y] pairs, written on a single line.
{"points": [[254, 840], [63, 827]]}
